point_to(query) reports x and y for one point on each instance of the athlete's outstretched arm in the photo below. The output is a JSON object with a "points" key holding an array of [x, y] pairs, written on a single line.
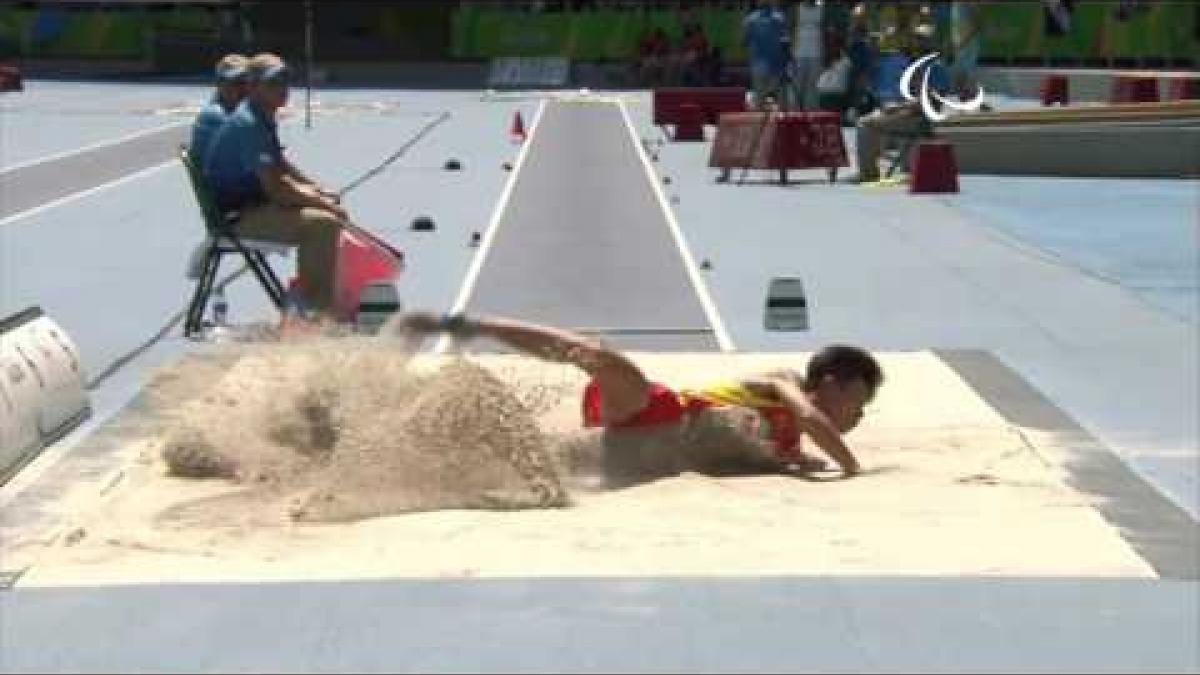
{"points": [[623, 387], [782, 386]]}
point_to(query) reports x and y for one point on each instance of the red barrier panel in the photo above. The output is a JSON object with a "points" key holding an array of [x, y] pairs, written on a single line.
{"points": [[10, 78], [933, 168], [1183, 89], [690, 126], [1134, 89], [714, 101], [778, 140], [1055, 89]]}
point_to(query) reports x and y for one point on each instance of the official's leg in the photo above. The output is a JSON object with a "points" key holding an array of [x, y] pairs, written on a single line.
{"points": [[314, 231]]}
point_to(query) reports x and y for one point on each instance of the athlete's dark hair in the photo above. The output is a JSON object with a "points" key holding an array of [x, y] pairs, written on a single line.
{"points": [[844, 363]]}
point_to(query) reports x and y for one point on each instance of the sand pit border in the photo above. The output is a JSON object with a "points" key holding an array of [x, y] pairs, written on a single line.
{"points": [[1160, 532]]}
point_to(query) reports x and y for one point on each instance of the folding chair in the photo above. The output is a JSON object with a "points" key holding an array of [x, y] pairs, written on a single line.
{"points": [[222, 239]]}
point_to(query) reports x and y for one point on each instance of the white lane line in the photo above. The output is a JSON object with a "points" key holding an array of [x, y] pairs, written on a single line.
{"points": [[84, 193], [689, 263], [489, 236], [89, 148]]}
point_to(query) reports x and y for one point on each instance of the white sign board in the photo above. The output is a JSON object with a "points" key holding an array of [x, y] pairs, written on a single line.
{"points": [[529, 71]]}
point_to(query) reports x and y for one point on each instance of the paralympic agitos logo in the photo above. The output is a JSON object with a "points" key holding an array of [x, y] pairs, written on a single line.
{"points": [[927, 94]]}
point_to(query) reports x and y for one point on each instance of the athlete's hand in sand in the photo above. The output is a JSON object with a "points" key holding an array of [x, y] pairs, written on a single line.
{"points": [[805, 463], [816, 425]]}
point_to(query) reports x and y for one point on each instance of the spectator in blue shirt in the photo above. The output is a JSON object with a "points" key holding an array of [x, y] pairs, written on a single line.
{"points": [[764, 34], [248, 173], [864, 61], [231, 89]]}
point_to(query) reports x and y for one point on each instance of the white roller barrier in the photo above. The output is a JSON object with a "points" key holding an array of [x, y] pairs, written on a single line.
{"points": [[42, 394]]}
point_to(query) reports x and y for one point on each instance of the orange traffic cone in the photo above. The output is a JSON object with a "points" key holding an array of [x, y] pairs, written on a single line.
{"points": [[518, 128]]}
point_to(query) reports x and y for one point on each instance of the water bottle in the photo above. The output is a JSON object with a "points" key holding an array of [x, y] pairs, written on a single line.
{"points": [[220, 307]]}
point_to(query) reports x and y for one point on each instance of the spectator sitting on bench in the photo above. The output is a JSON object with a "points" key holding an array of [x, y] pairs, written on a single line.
{"points": [[248, 173], [231, 89], [901, 119]]}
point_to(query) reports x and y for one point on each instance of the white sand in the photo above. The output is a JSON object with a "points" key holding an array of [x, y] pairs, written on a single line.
{"points": [[954, 490]]}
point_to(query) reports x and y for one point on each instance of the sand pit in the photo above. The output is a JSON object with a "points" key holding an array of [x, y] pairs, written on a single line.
{"points": [[951, 488]]}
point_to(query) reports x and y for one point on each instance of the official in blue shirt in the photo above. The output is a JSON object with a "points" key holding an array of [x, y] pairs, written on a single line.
{"points": [[247, 141], [248, 172], [764, 34], [231, 89]]}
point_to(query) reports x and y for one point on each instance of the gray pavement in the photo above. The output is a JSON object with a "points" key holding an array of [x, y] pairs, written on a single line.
{"points": [[822, 624]]}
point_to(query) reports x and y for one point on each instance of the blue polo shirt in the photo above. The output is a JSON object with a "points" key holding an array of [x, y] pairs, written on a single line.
{"points": [[208, 121], [763, 32], [246, 142]]}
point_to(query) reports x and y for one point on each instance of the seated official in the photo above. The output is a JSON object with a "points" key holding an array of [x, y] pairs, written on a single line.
{"points": [[906, 118], [231, 90], [248, 173]]}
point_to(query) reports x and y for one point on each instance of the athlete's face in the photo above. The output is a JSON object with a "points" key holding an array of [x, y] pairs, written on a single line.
{"points": [[843, 402]]}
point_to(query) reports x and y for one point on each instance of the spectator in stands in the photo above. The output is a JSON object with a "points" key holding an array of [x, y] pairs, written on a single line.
{"points": [[807, 42], [864, 60], [967, 41], [764, 33], [833, 86], [906, 118], [653, 51], [248, 173], [231, 89], [694, 55]]}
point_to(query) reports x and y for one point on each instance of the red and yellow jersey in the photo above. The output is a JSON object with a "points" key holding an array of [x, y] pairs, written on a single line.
{"points": [[774, 421]]}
